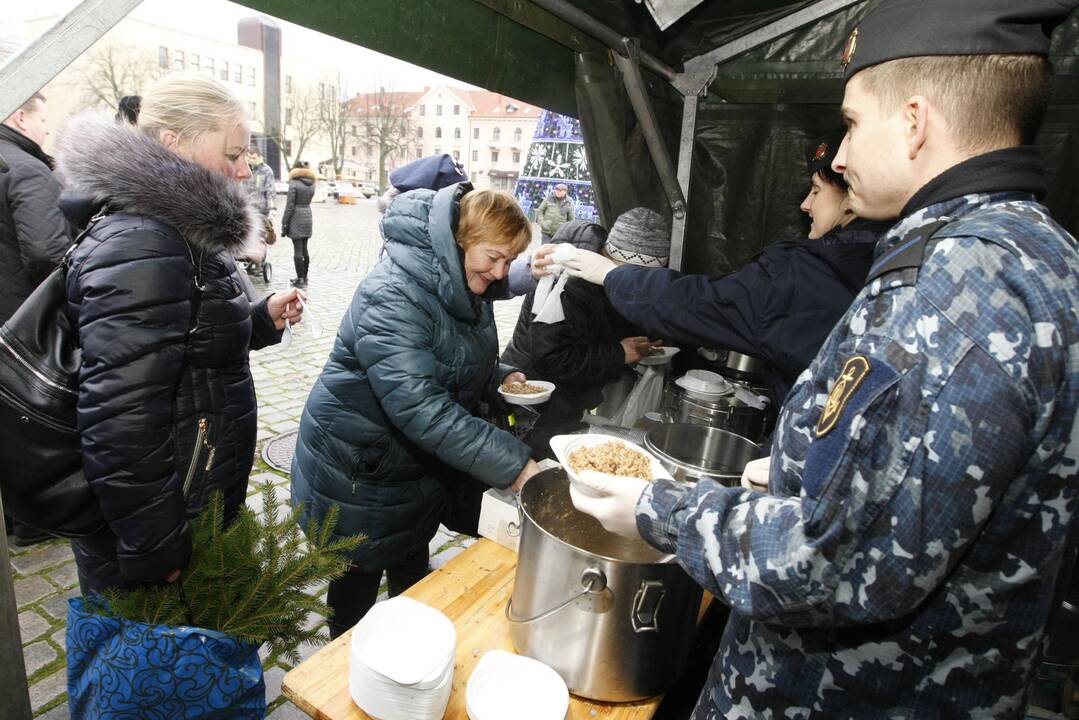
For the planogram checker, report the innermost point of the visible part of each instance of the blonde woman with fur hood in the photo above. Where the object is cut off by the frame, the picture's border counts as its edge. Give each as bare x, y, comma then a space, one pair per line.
166, 406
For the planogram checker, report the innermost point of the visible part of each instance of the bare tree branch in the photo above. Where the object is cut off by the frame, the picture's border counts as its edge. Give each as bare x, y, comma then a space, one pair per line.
386, 123
302, 119
111, 72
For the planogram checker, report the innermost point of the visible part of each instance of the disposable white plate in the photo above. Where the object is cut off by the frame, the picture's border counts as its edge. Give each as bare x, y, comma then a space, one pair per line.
505, 685
665, 357
563, 445
534, 399
404, 640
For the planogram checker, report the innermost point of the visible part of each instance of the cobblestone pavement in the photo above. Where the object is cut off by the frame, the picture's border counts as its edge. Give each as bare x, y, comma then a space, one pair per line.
344, 249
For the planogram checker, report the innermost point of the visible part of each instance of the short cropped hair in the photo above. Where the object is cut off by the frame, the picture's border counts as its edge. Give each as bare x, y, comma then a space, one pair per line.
988, 101
494, 216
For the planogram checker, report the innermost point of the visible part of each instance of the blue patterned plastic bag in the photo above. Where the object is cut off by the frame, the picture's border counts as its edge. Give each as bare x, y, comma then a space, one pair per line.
120, 669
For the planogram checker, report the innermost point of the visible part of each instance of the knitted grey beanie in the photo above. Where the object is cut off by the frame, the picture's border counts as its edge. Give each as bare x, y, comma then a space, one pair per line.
641, 237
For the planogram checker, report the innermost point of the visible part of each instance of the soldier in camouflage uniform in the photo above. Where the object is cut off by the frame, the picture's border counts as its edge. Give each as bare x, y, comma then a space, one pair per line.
923, 484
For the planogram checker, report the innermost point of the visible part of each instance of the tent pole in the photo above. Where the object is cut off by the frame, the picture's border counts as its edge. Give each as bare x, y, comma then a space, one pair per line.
685, 163
14, 695
653, 137
700, 71
590, 26
43, 59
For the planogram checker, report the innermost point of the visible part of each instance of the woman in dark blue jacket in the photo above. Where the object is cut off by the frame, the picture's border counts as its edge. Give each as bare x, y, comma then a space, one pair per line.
779, 307
166, 406
388, 432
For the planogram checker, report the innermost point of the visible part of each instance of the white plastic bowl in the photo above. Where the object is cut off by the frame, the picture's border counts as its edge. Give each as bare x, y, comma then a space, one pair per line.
504, 685
662, 359
534, 399
563, 445
704, 385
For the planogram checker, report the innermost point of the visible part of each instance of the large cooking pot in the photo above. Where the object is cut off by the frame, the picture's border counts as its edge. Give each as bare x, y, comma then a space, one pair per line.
612, 615
742, 367
690, 452
726, 412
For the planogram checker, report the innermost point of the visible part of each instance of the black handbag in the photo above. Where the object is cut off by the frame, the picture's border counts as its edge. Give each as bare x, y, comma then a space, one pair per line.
42, 483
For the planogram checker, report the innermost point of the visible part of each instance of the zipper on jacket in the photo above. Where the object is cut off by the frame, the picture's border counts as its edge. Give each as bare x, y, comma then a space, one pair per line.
37, 373
201, 440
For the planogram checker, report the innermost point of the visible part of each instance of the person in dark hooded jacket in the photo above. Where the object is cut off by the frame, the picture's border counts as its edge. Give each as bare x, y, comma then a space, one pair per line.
779, 307
296, 221
389, 432
166, 406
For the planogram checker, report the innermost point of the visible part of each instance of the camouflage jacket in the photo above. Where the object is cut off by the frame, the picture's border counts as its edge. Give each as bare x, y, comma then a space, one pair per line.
923, 483
260, 186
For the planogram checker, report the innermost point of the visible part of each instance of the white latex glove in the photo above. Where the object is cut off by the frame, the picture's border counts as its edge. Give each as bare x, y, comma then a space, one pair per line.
755, 474
589, 266
611, 499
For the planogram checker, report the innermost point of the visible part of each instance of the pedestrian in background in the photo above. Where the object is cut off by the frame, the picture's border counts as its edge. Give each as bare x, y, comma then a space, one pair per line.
554, 211
260, 183
296, 221
389, 432
166, 406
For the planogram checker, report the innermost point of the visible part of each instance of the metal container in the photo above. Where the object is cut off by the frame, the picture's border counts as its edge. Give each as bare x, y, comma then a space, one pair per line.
690, 452
612, 615
742, 367
726, 412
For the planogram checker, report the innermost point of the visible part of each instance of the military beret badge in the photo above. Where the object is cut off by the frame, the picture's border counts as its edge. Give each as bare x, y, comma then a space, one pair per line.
854, 372
849, 49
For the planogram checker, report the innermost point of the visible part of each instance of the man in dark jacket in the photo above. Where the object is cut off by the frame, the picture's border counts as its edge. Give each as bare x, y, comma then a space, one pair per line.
34, 234
779, 307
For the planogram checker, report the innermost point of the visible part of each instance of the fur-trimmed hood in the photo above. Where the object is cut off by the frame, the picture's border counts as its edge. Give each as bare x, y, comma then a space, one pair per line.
302, 174
130, 172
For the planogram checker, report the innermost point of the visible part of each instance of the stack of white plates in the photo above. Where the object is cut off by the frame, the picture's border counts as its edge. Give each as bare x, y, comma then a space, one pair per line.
704, 385
505, 685
401, 661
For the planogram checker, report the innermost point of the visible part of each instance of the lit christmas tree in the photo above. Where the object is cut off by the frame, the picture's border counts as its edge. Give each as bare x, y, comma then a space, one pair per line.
556, 155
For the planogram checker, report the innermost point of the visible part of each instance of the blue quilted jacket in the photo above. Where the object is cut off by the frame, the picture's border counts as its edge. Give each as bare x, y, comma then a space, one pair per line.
388, 427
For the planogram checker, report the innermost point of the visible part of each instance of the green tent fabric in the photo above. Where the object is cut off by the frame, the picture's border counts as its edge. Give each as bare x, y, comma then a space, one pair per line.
748, 175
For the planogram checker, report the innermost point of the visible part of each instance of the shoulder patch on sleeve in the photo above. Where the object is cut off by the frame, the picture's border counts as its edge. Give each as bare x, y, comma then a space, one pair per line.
854, 372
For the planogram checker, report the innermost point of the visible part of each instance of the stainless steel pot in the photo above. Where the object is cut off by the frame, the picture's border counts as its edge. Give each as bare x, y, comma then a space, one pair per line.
726, 412
742, 367
690, 452
613, 616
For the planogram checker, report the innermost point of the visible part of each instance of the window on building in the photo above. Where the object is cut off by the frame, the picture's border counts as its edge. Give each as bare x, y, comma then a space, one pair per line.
251, 75
457, 155
288, 116
419, 132
456, 109
224, 70
517, 134
254, 109
178, 60
438, 151
457, 133
370, 151
423, 109
494, 156
354, 130
475, 133
473, 178
475, 156
419, 153
516, 157
438, 132
288, 147
162, 57
193, 61
496, 133
208, 66
354, 152
288, 84
237, 73
438, 109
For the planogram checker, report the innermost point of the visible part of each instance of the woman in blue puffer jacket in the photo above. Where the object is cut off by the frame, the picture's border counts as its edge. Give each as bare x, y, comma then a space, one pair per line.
388, 432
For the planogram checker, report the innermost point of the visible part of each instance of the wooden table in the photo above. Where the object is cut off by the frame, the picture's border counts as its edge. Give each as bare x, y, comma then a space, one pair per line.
472, 590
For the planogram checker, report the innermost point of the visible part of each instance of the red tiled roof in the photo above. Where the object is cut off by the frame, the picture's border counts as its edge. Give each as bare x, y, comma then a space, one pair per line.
358, 103
489, 104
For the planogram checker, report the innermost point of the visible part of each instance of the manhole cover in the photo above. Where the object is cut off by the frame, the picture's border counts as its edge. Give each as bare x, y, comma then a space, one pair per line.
279, 450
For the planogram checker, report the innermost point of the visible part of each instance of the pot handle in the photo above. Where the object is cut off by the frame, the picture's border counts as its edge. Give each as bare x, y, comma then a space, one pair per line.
513, 529
592, 580
645, 615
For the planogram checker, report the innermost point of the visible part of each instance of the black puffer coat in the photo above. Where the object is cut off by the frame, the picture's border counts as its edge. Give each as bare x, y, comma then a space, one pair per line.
33, 232
166, 403
296, 222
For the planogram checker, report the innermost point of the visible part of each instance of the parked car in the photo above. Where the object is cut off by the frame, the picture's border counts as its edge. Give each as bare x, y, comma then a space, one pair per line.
346, 187
280, 186
368, 190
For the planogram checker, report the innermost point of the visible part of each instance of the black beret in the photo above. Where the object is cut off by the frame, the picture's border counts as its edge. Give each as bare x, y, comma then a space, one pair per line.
821, 151
915, 28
